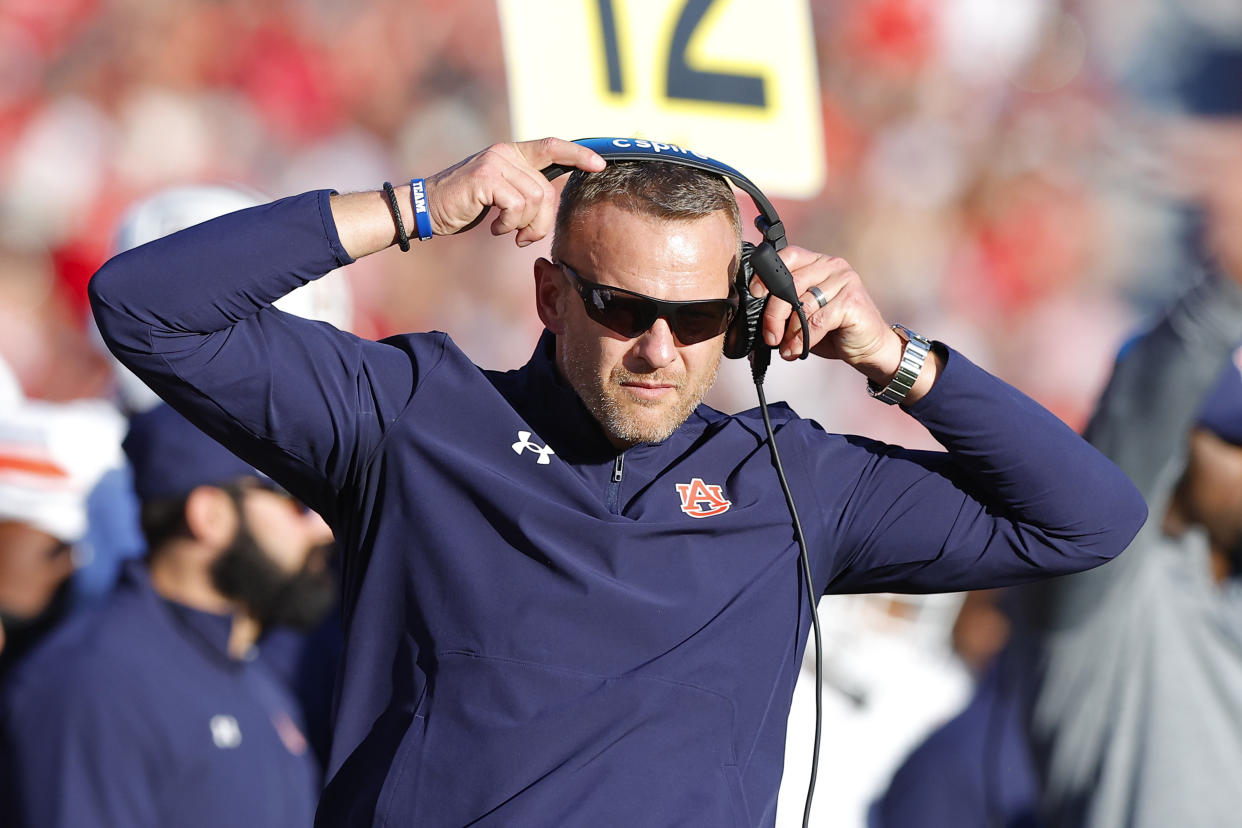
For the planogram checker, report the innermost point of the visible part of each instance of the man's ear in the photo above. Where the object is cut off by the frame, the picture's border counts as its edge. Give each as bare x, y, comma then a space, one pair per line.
550, 295
211, 515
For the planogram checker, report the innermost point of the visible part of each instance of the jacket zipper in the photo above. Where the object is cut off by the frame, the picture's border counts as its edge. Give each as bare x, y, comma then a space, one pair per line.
614, 487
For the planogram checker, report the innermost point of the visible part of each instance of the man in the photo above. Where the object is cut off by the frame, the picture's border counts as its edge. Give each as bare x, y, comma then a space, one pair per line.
153, 710
571, 591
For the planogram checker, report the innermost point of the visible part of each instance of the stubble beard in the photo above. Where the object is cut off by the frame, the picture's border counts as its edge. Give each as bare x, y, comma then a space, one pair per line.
623, 416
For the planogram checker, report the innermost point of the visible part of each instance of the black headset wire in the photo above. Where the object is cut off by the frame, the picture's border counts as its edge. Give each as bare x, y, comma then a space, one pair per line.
758, 367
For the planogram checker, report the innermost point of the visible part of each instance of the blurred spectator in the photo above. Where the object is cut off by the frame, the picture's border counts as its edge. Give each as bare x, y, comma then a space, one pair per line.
1137, 717
977, 768
890, 677
51, 455
1122, 693
153, 709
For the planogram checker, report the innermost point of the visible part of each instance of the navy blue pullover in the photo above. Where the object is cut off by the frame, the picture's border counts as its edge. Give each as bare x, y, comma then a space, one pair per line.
543, 631
133, 714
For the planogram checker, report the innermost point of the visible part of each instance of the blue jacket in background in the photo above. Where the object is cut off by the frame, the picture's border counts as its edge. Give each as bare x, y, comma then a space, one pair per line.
133, 714
541, 630
976, 769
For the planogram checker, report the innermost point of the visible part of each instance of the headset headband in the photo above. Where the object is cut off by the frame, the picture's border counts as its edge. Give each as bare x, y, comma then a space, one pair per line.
639, 149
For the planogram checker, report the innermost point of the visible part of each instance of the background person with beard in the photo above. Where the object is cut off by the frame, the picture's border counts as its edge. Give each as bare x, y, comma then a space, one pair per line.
154, 709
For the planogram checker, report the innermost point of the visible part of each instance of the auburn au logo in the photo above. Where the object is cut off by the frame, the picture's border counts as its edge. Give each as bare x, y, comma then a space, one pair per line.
700, 500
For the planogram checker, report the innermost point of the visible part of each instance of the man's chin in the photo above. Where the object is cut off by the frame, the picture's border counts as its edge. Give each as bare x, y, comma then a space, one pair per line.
645, 421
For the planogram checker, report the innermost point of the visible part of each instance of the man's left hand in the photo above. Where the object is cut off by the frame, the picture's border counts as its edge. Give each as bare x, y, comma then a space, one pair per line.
848, 326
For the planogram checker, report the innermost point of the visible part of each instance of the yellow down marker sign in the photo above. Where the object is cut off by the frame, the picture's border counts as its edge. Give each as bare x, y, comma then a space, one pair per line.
733, 79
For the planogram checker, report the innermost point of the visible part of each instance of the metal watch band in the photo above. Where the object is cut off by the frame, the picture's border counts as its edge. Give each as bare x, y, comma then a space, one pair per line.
912, 359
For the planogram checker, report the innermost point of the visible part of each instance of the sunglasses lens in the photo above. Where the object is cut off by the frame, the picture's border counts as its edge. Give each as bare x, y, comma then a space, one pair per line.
626, 315
700, 321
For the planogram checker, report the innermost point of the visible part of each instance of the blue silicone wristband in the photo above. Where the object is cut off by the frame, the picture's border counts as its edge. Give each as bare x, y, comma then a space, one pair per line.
422, 219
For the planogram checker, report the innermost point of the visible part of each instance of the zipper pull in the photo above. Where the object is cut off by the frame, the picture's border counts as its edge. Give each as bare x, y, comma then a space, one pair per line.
618, 468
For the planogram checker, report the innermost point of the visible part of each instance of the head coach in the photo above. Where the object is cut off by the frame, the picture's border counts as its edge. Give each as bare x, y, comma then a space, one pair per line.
571, 591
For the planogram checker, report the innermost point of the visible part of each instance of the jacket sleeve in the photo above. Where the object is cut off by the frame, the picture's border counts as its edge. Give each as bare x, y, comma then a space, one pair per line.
1018, 496
191, 315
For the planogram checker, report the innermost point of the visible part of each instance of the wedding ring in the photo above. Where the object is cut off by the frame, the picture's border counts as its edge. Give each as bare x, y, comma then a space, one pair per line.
819, 295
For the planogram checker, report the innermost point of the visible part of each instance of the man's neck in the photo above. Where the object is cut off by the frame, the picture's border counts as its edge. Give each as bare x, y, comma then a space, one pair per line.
246, 631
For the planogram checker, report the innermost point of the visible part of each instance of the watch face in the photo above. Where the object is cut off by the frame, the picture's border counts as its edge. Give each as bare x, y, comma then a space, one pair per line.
906, 334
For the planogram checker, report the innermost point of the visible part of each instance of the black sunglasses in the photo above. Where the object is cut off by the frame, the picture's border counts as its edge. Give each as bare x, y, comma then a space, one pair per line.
632, 314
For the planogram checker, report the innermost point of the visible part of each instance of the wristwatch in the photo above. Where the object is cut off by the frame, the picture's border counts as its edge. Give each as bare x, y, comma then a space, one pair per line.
912, 359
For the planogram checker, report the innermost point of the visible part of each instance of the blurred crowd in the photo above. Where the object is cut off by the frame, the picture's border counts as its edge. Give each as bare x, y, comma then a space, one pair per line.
986, 160
1002, 174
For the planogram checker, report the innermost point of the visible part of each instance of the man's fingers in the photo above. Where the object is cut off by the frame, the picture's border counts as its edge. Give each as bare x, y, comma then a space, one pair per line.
824, 313
519, 205
509, 177
842, 320
537, 222
808, 270
511, 204
821, 322
548, 151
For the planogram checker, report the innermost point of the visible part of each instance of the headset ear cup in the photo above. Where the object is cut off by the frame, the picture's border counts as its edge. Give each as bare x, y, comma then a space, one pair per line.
743, 334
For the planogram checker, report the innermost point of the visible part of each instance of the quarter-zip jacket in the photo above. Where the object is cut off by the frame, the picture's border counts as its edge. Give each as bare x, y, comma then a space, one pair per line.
539, 632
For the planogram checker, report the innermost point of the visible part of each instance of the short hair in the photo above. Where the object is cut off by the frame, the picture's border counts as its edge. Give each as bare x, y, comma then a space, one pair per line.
163, 520
661, 189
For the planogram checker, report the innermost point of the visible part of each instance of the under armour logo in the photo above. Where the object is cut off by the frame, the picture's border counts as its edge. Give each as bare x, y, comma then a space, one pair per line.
524, 443
225, 732
700, 500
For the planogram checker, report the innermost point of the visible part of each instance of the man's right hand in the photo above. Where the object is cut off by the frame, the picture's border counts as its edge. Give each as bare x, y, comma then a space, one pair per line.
506, 176
509, 177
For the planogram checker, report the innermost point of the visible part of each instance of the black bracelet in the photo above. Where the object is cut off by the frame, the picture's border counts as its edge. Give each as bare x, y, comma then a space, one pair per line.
403, 239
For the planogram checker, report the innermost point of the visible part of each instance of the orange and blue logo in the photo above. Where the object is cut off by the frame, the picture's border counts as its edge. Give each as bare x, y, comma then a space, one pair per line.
700, 500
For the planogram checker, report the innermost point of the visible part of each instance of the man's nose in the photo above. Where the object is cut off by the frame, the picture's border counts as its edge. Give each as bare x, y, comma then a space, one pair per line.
656, 347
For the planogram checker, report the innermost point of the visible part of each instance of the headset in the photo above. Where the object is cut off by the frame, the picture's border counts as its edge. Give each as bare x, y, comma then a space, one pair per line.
744, 335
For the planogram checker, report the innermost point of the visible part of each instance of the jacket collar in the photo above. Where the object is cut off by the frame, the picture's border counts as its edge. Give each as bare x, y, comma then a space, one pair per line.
208, 631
